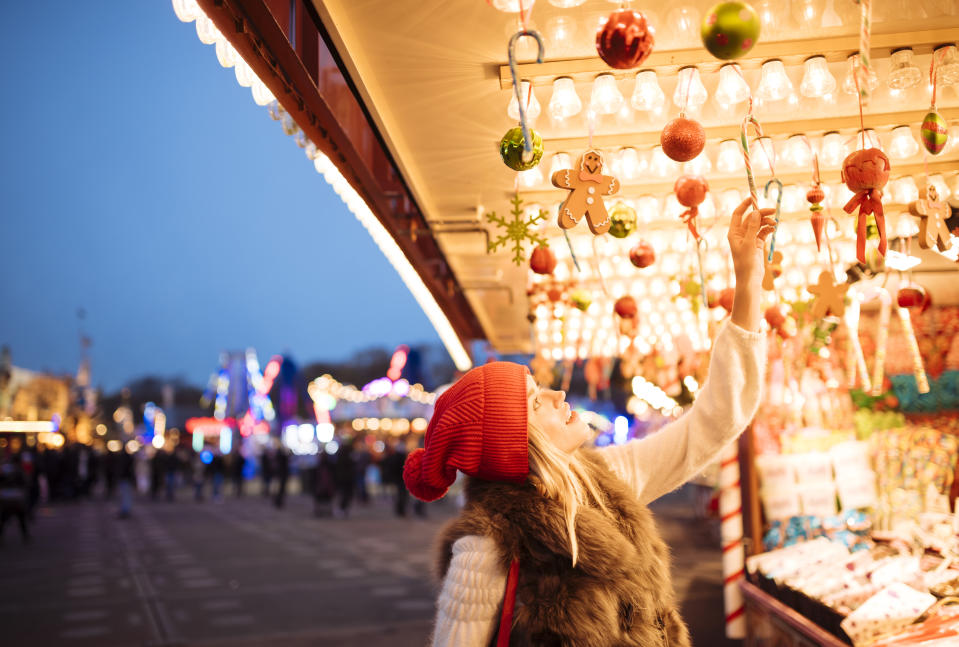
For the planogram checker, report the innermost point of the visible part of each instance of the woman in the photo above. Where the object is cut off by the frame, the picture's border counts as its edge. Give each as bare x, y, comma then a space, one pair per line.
560, 533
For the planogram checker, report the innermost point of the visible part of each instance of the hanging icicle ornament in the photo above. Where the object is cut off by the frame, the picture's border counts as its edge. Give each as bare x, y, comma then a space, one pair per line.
626, 39
934, 131
815, 196
586, 187
730, 29
521, 147
691, 192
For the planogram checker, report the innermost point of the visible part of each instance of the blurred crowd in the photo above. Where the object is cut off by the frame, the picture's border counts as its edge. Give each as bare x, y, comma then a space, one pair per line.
336, 480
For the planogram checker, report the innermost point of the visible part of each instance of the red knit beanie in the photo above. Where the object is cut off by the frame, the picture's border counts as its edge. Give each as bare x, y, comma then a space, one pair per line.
478, 427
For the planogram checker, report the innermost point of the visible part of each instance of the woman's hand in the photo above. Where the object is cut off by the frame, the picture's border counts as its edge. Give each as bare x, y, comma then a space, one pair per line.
747, 244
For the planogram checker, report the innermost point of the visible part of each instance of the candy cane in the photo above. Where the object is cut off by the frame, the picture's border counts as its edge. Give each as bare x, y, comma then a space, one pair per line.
865, 64
855, 347
882, 337
922, 381
779, 201
748, 120
511, 57
731, 532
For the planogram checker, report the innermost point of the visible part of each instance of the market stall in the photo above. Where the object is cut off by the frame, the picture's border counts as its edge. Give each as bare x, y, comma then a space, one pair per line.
556, 177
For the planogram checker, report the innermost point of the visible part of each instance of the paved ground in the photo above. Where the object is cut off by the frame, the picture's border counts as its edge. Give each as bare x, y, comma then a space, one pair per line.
243, 573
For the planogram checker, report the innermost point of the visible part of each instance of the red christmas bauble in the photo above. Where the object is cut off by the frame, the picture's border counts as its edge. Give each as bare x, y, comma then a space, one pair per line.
683, 139
691, 190
913, 298
775, 317
625, 40
554, 294
815, 195
626, 307
865, 169
543, 260
642, 254
726, 296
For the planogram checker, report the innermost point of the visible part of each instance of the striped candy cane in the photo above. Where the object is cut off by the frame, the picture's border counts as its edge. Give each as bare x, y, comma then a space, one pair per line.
865, 63
922, 381
731, 532
748, 120
882, 337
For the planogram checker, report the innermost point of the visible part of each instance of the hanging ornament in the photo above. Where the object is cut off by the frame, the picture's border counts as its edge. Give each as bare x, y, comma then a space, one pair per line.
543, 260
518, 230
512, 148
914, 296
626, 307
814, 197
625, 40
730, 29
780, 323
772, 270
691, 192
622, 220
522, 150
932, 213
554, 293
726, 297
934, 132
581, 300
586, 187
830, 297
642, 254
865, 172
683, 139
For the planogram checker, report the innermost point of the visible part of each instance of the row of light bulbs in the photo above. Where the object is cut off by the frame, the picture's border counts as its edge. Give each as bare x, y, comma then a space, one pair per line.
774, 85
795, 153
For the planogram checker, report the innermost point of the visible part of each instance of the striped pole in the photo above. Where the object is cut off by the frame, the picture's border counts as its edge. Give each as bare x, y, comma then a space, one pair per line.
865, 63
922, 381
731, 533
882, 337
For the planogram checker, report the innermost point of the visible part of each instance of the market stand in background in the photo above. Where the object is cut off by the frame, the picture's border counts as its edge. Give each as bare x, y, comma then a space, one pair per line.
650, 125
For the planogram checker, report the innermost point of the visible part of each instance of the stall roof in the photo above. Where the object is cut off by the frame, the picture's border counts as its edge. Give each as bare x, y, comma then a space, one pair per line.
433, 79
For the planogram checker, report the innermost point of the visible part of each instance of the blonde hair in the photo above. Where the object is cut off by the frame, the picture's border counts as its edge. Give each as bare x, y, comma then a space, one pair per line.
564, 478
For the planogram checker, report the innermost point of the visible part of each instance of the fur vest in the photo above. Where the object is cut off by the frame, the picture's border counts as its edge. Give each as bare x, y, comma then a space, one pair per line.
619, 593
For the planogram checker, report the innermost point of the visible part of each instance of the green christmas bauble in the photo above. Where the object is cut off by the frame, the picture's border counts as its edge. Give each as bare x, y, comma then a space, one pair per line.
581, 300
730, 29
512, 146
934, 132
622, 220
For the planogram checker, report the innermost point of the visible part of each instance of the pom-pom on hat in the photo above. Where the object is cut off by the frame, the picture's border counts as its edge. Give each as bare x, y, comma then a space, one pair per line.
479, 428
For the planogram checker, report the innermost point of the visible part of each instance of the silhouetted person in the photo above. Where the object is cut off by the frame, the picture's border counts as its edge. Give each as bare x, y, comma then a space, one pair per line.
157, 470
13, 497
267, 468
323, 487
237, 463
282, 476
344, 477
362, 458
218, 469
126, 480
391, 469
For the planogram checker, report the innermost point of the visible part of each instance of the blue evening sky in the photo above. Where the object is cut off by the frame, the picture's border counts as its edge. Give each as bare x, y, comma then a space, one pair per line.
140, 182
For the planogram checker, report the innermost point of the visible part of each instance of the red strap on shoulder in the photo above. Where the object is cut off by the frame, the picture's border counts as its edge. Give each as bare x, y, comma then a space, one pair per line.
509, 602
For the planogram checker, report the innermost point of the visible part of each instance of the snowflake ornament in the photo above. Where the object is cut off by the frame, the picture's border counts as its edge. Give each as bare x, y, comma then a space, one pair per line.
518, 230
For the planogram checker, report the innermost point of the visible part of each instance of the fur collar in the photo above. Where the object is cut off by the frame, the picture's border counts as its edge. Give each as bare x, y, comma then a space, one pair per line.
618, 594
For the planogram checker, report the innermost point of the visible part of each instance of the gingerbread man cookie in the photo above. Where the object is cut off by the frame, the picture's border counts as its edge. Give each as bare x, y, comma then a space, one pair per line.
830, 297
773, 269
586, 187
932, 213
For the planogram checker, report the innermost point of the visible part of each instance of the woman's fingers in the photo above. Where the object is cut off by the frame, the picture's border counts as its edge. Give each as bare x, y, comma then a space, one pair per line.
737, 217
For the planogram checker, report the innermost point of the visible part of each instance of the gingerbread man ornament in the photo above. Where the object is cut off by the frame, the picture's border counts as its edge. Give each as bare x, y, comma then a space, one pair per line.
772, 270
932, 213
829, 296
587, 186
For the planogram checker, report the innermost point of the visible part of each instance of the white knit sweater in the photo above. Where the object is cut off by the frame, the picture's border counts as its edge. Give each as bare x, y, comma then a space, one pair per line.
469, 603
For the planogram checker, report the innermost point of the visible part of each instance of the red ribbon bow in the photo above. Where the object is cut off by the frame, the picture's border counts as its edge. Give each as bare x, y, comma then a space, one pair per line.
689, 217
869, 202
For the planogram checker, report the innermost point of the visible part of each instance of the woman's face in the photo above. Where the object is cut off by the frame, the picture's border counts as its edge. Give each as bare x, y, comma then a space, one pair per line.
549, 411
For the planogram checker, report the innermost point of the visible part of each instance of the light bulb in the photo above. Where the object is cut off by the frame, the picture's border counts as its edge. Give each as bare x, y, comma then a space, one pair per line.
767, 10
729, 200
833, 152
902, 145
513, 6
225, 53
565, 102
647, 208
560, 34
531, 103
904, 190
606, 98
187, 10
630, 164
660, 165
730, 157
864, 139
797, 153
531, 178
566, 4
849, 82
559, 162
689, 83
807, 12
902, 73
774, 84
947, 64
206, 31
732, 88
794, 199
647, 95
685, 23
762, 154
817, 81
699, 165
